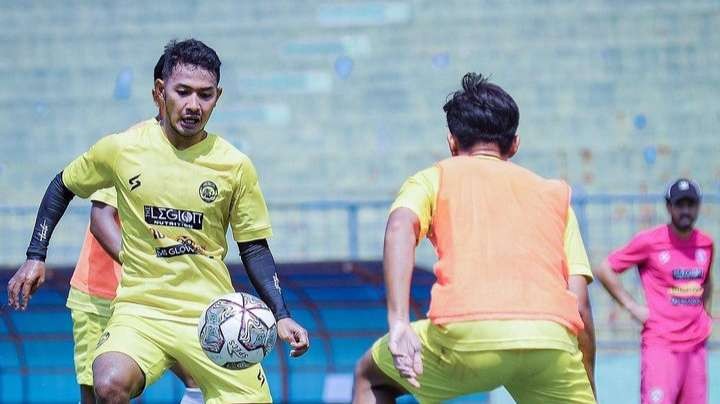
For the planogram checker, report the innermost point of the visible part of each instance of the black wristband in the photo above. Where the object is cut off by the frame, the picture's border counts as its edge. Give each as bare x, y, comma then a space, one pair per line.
261, 270
54, 203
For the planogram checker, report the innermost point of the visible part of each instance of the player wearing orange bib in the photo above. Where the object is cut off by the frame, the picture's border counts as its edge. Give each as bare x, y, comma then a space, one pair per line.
510, 304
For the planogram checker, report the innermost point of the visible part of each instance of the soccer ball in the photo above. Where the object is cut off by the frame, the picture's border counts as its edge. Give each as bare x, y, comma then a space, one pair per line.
237, 330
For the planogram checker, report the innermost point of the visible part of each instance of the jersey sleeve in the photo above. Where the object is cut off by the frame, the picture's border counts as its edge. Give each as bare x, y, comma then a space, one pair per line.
575, 253
107, 196
633, 253
93, 170
418, 194
249, 218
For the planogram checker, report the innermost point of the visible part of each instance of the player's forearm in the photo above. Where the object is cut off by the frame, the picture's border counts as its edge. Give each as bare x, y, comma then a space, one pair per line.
577, 284
54, 203
262, 271
398, 263
707, 296
611, 281
104, 227
586, 343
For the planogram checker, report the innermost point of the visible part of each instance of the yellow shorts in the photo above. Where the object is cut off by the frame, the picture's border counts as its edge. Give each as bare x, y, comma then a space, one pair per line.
155, 345
87, 329
529, 375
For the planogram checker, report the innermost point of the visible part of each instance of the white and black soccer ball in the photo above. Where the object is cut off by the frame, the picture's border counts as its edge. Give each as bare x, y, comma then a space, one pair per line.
237, 330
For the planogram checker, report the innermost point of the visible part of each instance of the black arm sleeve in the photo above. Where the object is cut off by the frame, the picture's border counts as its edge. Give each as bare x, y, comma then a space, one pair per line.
56, 200
261, 269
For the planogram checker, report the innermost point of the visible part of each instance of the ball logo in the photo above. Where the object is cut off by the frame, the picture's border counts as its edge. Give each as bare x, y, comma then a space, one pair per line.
208, 191
664, 257
700, 256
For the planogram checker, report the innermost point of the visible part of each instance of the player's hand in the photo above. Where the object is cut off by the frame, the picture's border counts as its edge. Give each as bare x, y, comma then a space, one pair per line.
405, 346
25, 282
292, 333
640, 313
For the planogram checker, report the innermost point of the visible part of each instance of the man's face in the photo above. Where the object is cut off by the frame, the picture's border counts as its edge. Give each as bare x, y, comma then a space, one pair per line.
190, 94
684, 213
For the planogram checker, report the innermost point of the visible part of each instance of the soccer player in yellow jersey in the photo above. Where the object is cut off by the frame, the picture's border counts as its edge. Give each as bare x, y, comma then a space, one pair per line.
178, 188
94, 283
510, 304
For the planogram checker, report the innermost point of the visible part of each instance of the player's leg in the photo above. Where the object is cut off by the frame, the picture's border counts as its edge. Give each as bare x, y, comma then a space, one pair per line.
218, 385
128, 358
87, 329
192, 394
443, 377
548, 376
658, 384
695, 386
117, 378
371, 385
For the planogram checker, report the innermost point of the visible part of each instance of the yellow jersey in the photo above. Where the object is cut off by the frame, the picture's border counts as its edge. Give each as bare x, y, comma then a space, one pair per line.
175, 207
419, 194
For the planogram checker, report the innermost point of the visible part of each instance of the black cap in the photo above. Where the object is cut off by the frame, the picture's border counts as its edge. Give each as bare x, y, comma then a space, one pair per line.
683, 188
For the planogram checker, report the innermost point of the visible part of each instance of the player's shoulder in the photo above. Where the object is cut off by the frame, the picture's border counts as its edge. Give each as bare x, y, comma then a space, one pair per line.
653, 234
137, 132
703, 238
225, 152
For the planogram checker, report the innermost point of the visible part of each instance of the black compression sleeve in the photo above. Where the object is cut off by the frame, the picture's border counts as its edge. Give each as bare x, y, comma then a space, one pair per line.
56, 200
260, 267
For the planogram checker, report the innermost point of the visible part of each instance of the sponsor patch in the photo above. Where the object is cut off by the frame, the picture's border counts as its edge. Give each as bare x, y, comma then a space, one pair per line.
171, 217
680, 274
175, 250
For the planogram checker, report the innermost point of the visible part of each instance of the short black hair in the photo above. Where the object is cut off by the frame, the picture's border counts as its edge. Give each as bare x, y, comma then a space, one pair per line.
157, 73
482, 112
190, 52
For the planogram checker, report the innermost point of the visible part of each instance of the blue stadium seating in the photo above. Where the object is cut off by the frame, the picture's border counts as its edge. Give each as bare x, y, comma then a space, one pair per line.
343, 322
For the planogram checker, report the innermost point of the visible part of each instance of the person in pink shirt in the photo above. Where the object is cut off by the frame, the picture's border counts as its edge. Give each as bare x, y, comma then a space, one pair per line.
674, 261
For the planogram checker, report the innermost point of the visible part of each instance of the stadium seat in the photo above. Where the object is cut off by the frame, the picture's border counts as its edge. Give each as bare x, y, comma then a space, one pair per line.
35, 321
52, 387
168, 389
307, 386
49, 353
9, 355
11, 386
344, 293
355, 318
347, 350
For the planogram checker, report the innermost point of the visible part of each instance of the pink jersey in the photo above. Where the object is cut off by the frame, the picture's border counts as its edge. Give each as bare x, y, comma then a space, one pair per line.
673, 273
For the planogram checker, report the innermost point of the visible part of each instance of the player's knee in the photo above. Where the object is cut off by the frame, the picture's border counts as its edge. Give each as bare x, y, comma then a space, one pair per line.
112, 382
363, 368
111, 390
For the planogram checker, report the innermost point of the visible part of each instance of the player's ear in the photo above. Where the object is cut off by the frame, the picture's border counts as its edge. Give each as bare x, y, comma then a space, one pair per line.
452, 144
514, 147
159, 90
219, 93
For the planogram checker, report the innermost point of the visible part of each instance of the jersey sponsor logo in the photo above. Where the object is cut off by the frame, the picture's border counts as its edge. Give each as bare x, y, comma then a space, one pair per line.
261, 377
701, 256
690, 289
208, 191
686, 301
664, 257
134, 182
175, 250
687, 273
172, 217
